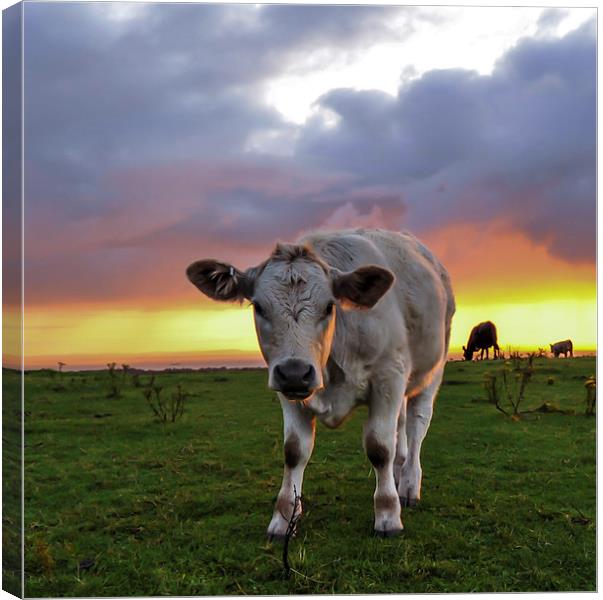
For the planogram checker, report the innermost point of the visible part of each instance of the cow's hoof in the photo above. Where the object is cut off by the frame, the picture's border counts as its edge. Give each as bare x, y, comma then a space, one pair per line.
406, 502
388, 533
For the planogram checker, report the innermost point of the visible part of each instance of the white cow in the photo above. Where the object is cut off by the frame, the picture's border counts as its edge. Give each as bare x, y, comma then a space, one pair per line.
347, 318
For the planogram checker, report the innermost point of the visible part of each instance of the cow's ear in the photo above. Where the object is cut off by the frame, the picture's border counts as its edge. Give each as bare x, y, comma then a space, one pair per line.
464, 349
220, 281
362, 288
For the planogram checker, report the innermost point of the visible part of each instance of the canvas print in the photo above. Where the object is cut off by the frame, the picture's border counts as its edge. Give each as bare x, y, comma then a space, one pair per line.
298, 299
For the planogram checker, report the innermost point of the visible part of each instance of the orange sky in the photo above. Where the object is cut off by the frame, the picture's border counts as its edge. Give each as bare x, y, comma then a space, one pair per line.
497, 274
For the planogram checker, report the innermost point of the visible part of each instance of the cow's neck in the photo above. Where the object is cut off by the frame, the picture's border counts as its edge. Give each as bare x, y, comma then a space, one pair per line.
345, 380
335, 374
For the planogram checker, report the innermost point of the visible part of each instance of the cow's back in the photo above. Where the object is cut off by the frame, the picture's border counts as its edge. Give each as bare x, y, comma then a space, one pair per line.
421, 300
564, 346
483, 335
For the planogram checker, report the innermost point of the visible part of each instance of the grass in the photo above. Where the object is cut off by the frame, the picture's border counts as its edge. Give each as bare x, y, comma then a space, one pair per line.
117, 504
11, 480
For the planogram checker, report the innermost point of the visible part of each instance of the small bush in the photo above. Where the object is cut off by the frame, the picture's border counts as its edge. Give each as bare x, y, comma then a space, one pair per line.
591, 395
506, 388
114, 387
166, 411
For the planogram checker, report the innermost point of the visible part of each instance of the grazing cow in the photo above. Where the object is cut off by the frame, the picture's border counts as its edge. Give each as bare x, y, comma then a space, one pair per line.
347, 318
566, 347
482, 336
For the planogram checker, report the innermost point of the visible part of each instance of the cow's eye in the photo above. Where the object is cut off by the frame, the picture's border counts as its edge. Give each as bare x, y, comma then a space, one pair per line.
328, 310
259, 311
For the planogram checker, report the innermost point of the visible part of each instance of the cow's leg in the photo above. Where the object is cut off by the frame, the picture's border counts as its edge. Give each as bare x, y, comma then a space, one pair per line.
379, 438
418, 418
401, 443
299, 424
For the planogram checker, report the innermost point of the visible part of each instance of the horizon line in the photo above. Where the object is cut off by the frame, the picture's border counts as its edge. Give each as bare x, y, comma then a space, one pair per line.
188, 360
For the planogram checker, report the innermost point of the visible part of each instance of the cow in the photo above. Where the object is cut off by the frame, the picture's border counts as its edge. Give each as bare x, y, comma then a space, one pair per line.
566, 347
482, 337
347, 318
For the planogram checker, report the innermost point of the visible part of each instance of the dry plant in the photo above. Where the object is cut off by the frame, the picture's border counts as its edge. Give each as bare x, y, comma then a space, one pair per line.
506, 389
291, 527
591, 395
515, 360
114, 389
58, 387
166, 411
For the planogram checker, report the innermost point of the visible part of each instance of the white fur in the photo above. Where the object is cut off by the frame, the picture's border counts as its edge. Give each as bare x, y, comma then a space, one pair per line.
392, 358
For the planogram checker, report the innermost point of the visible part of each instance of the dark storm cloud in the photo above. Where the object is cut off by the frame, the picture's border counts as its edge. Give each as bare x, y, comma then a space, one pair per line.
517, 145
173, 81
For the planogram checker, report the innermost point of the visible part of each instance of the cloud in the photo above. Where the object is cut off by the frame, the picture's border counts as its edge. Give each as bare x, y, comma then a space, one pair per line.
108, 86
550, 18
159, 219
518, 144
142, 152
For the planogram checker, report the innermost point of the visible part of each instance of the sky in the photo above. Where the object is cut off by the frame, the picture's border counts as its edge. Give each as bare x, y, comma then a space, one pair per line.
158, 134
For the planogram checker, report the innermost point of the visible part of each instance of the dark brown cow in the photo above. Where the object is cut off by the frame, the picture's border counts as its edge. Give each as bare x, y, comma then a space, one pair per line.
482, 337
565, 347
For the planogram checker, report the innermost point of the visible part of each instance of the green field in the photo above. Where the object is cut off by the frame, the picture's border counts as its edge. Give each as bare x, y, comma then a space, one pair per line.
117, 504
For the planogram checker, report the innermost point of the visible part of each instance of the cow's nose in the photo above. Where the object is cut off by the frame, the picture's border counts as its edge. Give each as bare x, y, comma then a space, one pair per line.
295, 378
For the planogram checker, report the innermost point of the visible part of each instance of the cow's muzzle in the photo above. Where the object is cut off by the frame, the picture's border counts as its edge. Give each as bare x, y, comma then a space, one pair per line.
295, 378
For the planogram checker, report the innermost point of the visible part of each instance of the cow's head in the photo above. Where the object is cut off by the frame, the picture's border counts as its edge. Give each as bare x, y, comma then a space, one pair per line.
467, 354
294, 294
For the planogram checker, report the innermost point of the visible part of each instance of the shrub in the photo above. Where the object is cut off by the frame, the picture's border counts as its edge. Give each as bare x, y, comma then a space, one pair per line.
58, 387
166, 411
114, 388
591, 395
506, 389
125, 369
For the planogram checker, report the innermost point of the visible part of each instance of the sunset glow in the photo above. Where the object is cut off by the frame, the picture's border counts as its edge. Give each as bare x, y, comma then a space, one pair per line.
190, 336
534, 300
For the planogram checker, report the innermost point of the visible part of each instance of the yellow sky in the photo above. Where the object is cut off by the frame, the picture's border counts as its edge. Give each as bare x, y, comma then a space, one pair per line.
225, 333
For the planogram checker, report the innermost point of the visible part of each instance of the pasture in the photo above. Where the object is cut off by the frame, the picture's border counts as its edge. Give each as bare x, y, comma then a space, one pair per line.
117, 504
